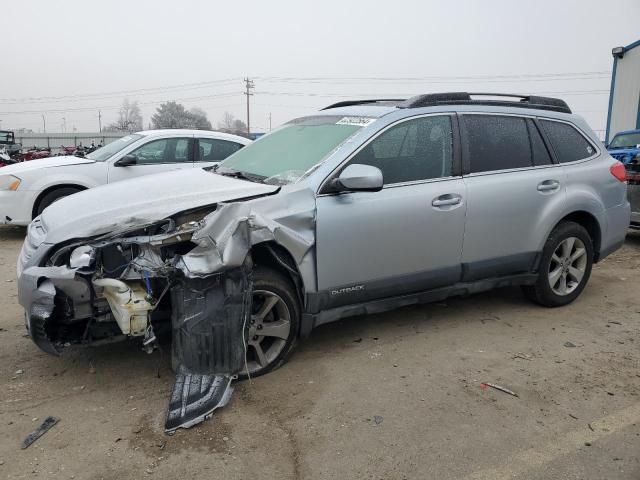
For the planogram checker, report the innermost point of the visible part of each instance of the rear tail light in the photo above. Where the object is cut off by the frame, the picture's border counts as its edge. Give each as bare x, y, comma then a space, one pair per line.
618, 171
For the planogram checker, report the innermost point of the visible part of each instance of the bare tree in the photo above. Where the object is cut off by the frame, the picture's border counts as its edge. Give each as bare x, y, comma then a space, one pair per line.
129, 118
230, 124
226, 124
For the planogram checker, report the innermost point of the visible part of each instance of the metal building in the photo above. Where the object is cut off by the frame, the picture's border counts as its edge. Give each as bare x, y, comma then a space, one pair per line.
624, 97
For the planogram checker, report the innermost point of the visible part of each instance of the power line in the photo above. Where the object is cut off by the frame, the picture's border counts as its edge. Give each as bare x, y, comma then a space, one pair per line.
439, 79
121, 92
111, 107
327, 80
406, 95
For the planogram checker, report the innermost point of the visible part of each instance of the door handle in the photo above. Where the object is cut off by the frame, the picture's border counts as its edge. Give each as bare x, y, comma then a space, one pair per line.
548, 185
446, 200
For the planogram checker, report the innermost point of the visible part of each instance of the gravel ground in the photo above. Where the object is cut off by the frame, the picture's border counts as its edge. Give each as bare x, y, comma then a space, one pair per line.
390, 396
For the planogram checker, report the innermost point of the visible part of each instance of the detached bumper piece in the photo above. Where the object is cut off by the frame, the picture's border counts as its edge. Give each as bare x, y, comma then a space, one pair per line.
208, 351
41, 309
194, 399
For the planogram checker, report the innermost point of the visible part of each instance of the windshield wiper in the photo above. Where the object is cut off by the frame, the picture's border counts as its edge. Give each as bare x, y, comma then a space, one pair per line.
227, 172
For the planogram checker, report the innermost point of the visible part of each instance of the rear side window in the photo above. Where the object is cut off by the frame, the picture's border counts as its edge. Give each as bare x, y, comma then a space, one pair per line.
497, 143
538, 148
213, 149
568, 144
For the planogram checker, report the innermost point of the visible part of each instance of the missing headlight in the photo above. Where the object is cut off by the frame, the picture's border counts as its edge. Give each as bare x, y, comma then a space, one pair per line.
82, 256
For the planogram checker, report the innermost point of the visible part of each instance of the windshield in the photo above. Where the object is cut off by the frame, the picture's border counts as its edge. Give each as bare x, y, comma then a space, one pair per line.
627, 140
285, 155
106, 152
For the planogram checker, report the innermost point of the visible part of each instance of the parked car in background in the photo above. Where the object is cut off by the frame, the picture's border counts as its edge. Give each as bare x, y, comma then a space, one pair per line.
26, 189
8, 141
625, 146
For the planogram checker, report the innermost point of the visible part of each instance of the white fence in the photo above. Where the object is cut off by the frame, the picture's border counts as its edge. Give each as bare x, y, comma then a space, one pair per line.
56, 140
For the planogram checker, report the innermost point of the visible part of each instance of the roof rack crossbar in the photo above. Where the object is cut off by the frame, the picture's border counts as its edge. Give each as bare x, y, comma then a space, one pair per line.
350, 103
464, 98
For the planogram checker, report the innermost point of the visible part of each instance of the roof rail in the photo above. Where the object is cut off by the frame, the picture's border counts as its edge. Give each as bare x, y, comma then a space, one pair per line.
464, 98
349, 103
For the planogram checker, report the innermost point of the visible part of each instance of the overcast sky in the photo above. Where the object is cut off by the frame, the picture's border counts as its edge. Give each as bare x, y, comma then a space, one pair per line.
302, 54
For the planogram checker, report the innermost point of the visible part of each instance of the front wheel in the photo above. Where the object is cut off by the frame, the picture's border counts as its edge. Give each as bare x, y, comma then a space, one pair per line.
565, 266
272, 332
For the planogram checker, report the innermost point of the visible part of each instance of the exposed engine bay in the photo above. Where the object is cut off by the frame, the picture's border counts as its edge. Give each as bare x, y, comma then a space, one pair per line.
171, 276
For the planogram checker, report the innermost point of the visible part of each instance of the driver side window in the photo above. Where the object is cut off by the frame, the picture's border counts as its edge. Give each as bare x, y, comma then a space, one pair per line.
413, 150
166, 150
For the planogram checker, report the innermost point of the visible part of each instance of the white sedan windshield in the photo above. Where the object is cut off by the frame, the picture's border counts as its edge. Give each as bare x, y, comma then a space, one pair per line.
109, 150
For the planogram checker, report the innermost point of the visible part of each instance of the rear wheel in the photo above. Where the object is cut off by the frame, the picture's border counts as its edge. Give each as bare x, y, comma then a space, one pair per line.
53, 196
565, 266
275, 321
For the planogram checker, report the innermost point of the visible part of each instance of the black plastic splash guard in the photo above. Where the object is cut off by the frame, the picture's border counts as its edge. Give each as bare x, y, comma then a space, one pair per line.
208, 319
194, 398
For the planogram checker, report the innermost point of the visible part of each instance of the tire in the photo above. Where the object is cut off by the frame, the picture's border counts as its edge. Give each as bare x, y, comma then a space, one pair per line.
271, 286
53, 196
559, 281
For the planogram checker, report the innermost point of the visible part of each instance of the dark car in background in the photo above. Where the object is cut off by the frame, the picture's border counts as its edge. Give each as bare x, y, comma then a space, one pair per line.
625, 147
8, 141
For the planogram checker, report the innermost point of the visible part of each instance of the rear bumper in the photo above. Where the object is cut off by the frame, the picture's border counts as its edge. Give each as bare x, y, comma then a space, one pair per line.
617, 219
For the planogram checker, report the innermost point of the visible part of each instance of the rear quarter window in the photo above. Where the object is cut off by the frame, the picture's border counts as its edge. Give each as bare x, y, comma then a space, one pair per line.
568, 143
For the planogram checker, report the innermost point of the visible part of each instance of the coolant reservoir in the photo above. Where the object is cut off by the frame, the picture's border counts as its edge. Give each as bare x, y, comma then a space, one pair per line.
128, 303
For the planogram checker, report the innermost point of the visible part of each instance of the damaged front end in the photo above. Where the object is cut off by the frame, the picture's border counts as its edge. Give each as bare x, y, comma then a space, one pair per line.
189, 275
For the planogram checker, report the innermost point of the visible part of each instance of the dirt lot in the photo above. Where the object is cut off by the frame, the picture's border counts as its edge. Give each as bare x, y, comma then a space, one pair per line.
391, 396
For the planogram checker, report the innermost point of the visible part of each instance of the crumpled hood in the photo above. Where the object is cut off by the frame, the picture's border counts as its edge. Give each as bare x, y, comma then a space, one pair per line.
63, 161
140, 201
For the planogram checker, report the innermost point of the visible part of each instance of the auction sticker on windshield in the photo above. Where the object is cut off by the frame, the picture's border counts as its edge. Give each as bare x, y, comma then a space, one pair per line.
356, 121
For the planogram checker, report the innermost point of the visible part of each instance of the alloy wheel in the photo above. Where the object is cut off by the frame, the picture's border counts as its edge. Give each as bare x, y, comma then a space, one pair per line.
568, 266
268, 330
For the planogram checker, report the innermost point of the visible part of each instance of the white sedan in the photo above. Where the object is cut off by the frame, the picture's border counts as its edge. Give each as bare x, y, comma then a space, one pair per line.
27, 188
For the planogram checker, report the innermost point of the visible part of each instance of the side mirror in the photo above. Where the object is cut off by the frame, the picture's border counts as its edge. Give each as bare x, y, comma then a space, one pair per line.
126, 161
358, 178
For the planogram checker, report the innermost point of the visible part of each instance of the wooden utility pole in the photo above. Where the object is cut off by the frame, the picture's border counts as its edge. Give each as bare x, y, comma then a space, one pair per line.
99, 121
248, 85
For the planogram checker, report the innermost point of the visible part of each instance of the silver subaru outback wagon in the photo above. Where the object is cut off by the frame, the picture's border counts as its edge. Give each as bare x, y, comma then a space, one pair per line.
361, 207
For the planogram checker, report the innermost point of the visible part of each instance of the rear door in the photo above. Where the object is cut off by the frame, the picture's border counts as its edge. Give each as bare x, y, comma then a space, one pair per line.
511, 181
156, 156
406, 237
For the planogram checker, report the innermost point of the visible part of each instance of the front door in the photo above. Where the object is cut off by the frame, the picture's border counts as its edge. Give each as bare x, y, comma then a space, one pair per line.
156, 156
404, 238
